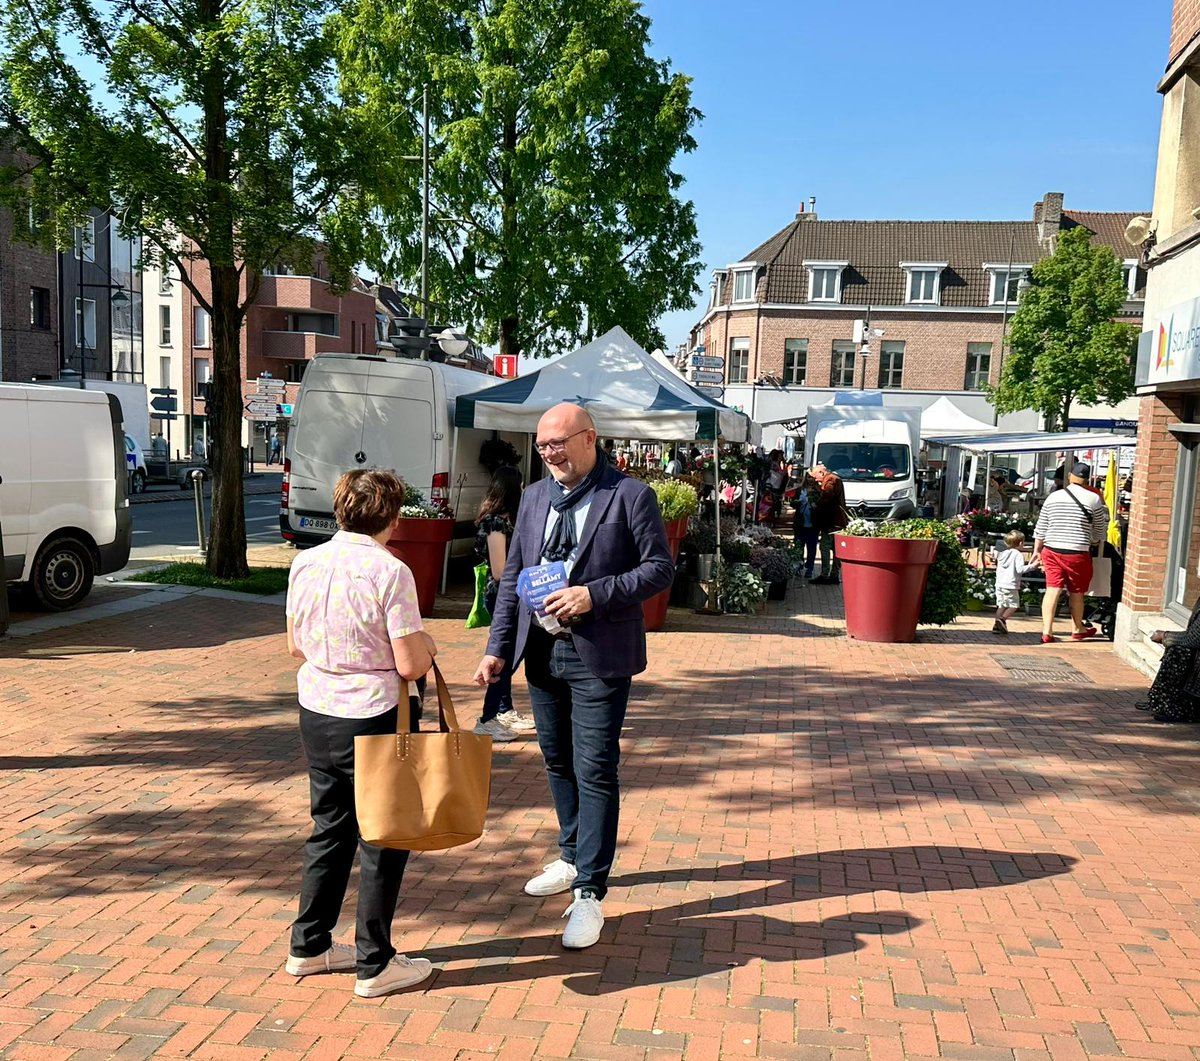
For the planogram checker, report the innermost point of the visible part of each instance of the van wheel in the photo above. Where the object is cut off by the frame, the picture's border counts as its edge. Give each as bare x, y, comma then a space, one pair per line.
139, 481
62, 574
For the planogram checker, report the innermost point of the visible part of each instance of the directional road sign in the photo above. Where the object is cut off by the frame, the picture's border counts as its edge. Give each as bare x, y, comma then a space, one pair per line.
710, 388
168, 391
164, 404
704, 361
163, 416
266, 383
262, 408
707, 376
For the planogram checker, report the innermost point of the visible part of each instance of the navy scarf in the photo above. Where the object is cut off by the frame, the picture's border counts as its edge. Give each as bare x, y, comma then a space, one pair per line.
562, 539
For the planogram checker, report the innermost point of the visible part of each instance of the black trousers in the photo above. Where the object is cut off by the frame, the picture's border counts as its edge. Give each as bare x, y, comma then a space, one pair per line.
329, 852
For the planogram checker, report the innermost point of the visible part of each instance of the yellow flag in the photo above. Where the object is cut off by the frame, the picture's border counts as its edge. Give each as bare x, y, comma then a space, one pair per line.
1111, 496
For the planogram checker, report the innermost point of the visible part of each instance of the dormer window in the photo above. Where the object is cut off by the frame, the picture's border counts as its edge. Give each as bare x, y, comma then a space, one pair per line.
743, 281
825, 281
1005, 282
924, 282
1129, 276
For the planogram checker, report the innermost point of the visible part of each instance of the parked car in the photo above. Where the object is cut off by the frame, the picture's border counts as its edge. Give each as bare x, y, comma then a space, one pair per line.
135, 466
64, 510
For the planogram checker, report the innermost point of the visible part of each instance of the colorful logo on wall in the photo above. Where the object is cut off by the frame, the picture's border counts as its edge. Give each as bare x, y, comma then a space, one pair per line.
1164, 345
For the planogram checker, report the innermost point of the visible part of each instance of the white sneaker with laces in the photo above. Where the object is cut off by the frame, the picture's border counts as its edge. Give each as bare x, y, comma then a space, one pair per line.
338, 959
517, 722
586, 919
556, 877
399, 973
495, 729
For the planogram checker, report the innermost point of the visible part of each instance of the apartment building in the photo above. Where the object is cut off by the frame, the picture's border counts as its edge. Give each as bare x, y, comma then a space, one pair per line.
936, 297
1162, 576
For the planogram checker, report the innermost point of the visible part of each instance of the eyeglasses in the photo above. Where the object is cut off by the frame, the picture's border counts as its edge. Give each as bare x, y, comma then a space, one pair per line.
557, 445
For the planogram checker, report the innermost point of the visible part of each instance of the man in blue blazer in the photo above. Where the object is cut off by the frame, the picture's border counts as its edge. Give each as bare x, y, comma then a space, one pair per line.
608, 532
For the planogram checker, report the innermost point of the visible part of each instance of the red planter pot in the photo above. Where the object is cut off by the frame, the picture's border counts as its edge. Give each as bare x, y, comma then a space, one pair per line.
421, 544
883, 584
655, 609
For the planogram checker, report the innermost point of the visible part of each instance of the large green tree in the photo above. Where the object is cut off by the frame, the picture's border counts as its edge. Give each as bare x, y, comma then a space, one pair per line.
214, 128
1064, 345
557, 212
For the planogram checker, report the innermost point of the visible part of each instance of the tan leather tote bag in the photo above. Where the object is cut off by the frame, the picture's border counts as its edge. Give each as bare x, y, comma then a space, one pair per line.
423, 791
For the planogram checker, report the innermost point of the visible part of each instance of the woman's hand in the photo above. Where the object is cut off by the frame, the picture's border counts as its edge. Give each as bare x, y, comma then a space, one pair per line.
1158, 637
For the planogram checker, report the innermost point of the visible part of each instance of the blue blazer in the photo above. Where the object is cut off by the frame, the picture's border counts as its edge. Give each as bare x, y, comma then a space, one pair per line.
623, 559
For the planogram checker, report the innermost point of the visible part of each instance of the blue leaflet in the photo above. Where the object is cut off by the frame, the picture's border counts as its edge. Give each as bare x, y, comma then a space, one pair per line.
535, 584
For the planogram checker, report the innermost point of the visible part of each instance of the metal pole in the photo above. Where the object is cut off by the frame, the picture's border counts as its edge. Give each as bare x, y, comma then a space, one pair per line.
425, 202
1012, 239
453, 469
198, 490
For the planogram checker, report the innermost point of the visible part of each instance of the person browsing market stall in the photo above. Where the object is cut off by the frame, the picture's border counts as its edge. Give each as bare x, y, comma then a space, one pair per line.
580, 657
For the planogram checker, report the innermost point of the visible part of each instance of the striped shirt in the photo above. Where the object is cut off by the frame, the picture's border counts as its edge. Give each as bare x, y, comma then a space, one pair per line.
1064, 526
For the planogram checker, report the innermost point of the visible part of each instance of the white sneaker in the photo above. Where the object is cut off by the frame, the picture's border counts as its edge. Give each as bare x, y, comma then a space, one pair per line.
557, 877
399, 973
586, 921
338, 959
518, 723
495, 729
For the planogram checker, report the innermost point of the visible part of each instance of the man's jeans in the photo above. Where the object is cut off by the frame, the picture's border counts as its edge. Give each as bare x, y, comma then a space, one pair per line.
829, 569
579, 719
329, 852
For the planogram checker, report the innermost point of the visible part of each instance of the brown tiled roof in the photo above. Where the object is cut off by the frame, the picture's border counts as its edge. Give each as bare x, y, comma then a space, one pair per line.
875, 249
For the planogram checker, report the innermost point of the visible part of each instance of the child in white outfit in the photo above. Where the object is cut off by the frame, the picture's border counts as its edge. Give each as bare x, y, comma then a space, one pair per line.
1010, 569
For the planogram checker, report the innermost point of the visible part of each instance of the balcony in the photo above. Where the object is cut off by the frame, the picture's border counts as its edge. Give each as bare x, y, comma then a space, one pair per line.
298, 293
297, 346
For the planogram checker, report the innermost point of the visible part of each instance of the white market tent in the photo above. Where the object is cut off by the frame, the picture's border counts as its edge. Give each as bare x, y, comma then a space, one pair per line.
943, 417
628, 393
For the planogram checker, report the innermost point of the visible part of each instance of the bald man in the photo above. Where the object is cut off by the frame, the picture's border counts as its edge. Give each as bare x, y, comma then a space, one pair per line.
608, 532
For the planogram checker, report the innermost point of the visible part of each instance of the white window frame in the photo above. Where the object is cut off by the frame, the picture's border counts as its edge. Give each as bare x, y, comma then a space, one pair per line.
801, 347
911, 269
201, 336
197, 382
164, 325
1130, 268
164, 378
848, 348
995, 269
974, 373
719, 296
165, 282
813, 268
744, 271
85, 240
83, 308
739, 344
898, 346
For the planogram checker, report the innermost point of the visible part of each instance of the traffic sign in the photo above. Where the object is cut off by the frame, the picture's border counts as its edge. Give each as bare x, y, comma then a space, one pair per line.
710, 388
706, 376
506, 365
262, 408
164, 404
285, 409
703, 361
263, 418
270, 386
163, 416
163, 390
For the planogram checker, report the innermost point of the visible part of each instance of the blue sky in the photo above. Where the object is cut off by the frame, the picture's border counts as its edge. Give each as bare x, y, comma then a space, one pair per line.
886, 109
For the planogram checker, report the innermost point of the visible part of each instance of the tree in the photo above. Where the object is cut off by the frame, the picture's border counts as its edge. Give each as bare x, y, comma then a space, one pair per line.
554, 138
1064, 345
213, 129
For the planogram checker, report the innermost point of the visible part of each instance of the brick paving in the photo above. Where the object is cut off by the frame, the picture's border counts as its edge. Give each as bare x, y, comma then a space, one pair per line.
829, 850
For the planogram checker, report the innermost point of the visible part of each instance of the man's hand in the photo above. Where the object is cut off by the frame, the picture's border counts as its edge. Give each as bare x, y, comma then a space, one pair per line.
569, 604
489, 670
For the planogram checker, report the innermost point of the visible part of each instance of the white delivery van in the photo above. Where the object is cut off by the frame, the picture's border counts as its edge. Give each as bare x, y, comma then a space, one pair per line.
873, 449
364, 411
64, 513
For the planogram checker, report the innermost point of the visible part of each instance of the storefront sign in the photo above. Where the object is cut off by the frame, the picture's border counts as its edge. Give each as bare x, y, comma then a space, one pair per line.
1174, 346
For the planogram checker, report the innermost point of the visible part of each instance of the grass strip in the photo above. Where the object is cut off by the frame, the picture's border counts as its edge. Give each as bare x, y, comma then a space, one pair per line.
262, 581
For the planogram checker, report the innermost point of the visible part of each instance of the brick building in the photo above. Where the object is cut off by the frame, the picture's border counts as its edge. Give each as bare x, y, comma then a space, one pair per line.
29, 340
1162, 578
940, 292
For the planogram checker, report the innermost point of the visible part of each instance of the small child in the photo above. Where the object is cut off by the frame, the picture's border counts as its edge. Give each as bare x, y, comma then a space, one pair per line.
1010, 569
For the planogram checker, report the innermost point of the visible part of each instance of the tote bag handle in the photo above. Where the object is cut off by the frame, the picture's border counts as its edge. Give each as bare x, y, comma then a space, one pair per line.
447, 720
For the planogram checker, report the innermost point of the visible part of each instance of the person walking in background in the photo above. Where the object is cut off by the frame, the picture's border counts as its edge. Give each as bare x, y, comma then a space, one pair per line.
276, 449
494, 531
353, 618
1072, 521
610, 451
674, 466
1010, 569
607, 531
829, 516
804, 532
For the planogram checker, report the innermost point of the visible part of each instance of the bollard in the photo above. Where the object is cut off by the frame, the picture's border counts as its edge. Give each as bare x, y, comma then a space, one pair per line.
198, 489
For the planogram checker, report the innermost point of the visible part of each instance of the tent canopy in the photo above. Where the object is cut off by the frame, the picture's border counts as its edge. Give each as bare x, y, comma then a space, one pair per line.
628, 393
944, 418
1035, 442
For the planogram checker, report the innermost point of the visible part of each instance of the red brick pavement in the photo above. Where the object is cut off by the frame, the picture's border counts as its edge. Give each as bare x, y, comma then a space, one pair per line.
829, 850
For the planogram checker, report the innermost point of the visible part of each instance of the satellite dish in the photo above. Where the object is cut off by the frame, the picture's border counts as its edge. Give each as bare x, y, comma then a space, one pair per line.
1138, 230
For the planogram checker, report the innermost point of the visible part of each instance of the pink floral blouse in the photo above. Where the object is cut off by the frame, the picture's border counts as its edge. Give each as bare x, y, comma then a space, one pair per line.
348, 600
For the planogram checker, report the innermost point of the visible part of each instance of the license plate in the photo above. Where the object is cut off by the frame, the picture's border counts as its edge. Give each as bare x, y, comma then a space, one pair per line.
312, 523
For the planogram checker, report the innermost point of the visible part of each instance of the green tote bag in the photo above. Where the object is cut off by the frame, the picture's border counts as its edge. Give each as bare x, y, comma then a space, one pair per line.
480, 616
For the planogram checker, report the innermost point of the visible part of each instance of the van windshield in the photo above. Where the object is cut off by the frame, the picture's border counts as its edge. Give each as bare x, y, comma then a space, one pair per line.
864, 461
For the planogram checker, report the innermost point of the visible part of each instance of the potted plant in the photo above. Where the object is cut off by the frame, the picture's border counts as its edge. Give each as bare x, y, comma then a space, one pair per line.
741, 590
888, 578
774, 567
678, 502
419, 538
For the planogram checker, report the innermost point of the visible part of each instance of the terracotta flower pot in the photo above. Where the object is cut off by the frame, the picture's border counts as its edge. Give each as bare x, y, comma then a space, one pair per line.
883, 584
655, 609
421, 544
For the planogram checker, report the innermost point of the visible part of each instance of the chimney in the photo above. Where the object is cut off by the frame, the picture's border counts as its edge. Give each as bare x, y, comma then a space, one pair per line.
1047, 214
800, 212
811, 214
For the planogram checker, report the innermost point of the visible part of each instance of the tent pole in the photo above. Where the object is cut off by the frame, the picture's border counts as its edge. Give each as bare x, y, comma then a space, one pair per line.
450, 486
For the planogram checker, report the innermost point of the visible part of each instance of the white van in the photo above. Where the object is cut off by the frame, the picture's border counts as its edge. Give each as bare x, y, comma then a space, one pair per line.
363, 411
64, 513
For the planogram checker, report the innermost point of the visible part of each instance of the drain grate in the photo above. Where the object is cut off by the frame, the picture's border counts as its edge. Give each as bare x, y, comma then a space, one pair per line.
1041, 669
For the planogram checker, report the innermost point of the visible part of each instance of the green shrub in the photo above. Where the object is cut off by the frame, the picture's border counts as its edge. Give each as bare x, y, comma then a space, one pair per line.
676, 499
741, 589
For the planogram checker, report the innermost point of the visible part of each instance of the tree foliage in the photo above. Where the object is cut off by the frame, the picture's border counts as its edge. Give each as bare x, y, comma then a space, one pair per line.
1064, 345
554, 137
215, 130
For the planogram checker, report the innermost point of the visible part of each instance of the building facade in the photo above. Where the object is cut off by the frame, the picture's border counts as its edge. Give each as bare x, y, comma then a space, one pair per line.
935, 298
1162, 574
